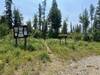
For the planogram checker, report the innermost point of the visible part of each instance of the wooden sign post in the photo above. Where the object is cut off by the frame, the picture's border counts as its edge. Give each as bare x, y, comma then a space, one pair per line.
20, 32
62, 36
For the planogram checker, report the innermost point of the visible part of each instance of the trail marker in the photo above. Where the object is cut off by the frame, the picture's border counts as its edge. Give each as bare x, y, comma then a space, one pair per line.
20, 32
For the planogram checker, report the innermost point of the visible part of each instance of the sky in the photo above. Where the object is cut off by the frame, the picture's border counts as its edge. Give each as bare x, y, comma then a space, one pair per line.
69, 8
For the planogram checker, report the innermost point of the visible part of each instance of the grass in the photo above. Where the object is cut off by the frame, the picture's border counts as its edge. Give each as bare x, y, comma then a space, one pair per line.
12, 58
74, 49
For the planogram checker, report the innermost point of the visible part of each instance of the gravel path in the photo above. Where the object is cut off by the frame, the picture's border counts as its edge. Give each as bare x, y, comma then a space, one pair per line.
86, 66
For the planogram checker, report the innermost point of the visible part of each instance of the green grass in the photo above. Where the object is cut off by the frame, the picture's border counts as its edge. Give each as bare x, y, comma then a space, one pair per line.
73, 49
12, 57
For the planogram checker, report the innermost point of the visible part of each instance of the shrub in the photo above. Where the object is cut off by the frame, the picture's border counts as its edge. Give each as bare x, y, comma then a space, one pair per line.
88, 37
3, 29
77, 36
37, 34
85, 37
97, 35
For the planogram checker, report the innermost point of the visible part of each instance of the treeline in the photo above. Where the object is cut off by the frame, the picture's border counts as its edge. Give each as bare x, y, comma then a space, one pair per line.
89, 24
51, 25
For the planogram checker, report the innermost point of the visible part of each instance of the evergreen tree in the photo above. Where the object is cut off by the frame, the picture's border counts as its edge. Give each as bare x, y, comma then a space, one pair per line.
71, 28
4, 29
8, 5
35, 22
92, 15
78, 28
43, 9
55, 19
44, 25
43, 14
97, 23
29, 26
44, 32
40, 16
64, 28
84, 20
17, 17
92, 8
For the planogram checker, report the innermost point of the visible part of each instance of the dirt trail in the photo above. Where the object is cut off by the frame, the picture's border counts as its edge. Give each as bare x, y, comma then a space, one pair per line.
53, 67
86, 66
48, 49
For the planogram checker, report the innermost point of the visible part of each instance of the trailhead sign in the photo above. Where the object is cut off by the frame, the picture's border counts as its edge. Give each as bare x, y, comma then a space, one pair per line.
20, 32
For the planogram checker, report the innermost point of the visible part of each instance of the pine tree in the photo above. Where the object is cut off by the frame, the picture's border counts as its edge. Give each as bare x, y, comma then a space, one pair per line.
44, 9
92, 9
55, 19
64, 28
97, 23
4, 29
40, 16
29, 26
44, 32
84, 20
71, 28
43, 13
8, 5
78, 28
17, 17
35, 22
44, 25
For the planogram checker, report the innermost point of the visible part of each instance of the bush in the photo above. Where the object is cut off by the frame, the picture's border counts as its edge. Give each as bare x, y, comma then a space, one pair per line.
77, 36
97, 35
37, 34
88, 37
85, 37
4, 30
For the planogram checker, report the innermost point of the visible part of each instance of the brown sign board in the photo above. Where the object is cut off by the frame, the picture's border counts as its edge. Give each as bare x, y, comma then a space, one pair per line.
20, 31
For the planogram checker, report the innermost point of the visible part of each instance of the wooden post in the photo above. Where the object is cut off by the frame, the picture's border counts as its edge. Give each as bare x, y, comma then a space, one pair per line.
25, 42
16, 42
65, 40
60, 40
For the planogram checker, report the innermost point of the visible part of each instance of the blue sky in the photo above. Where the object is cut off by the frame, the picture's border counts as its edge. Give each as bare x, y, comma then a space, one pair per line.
69, 8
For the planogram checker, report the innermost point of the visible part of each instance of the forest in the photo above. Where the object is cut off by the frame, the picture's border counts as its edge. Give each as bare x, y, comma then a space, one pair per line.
50, 43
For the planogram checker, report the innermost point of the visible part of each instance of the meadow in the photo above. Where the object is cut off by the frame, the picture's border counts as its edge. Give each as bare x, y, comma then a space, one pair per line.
13, 58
